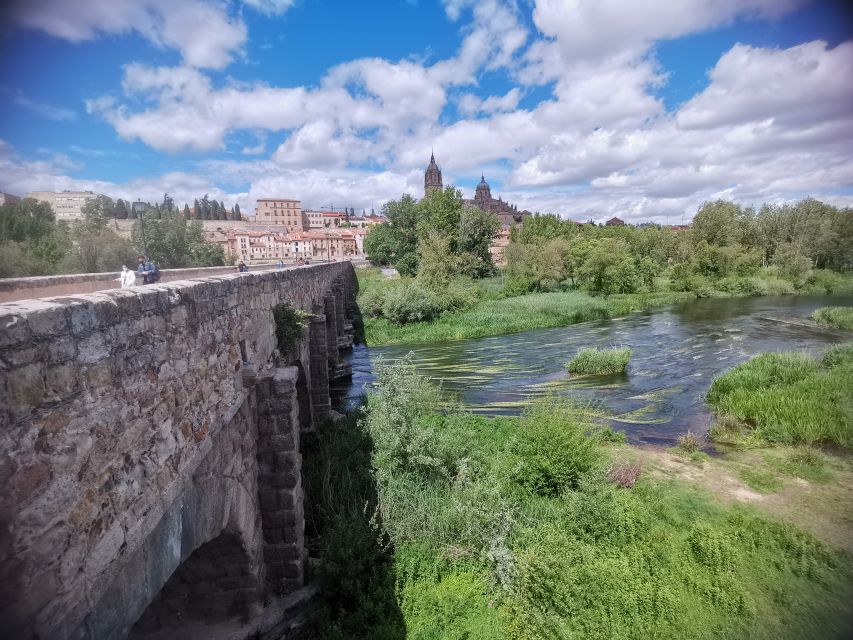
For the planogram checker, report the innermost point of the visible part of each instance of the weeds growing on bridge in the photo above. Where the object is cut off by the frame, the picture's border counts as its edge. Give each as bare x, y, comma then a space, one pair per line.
289, 323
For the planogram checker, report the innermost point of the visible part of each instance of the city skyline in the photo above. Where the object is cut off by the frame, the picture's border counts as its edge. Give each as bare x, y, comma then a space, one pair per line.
588, 110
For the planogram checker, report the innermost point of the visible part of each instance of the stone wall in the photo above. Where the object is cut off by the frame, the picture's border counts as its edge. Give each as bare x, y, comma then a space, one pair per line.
12, 289
137, 426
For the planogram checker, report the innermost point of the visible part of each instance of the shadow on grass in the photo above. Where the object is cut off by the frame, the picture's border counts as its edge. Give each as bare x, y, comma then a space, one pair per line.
354, 567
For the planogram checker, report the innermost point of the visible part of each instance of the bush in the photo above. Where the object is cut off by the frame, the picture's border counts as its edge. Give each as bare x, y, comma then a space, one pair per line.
409, 302
835, 317
689, 443
600, 361
552, 449
837, 355
370, 301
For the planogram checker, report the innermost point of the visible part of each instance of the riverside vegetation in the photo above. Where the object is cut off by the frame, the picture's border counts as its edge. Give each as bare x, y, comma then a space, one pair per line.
835, 317
433, 522
592, 361
559, 272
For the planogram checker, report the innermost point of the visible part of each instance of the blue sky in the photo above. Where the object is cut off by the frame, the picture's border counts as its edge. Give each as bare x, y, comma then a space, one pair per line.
586, 108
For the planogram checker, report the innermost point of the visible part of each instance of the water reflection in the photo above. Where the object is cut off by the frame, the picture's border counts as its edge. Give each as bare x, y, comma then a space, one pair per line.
676, 354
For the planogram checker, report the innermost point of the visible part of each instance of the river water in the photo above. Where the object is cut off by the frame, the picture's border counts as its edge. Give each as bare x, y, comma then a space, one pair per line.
677, 352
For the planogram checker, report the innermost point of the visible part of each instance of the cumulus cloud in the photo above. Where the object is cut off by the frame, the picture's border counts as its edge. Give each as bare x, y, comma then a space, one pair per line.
771, 124
203, 32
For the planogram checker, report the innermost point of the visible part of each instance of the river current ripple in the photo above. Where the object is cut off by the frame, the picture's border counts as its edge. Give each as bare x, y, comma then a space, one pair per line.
677, 352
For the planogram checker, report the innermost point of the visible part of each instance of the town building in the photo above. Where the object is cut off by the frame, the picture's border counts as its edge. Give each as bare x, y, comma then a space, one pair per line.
8, 198
283, 211
270, 244
615, 222
315, 220
506, 212
66, 205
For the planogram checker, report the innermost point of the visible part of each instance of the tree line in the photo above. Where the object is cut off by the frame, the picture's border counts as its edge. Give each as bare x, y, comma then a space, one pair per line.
727, 247
33, 242
203, 209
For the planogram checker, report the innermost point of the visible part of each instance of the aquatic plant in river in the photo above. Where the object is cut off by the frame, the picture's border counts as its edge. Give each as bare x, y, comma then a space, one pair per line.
592, 360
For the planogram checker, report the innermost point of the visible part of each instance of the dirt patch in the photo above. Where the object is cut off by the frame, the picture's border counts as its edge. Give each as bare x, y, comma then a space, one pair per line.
825, 509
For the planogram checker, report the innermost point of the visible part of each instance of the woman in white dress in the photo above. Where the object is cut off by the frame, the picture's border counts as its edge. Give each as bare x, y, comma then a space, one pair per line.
127, 277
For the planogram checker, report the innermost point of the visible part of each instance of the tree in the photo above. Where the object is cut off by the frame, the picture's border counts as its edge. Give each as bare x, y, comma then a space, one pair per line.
175, 242
477, 229
168, 205
437, 265
95, 247
716, 223
440, 211
186, 212
28, 220
609, 268
196, 210
380, 245
237, 214
121, 210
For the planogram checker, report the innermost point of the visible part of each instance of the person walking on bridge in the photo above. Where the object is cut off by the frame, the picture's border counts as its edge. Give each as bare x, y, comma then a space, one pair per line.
127, 277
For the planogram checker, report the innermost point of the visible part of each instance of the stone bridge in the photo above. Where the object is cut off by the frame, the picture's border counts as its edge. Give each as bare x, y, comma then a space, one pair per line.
150, 453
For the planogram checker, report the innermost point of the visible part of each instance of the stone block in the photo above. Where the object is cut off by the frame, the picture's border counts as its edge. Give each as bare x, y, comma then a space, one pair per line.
14, 330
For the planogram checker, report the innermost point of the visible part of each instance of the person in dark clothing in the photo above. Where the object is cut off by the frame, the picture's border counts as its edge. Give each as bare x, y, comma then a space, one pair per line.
242, 267
148, 270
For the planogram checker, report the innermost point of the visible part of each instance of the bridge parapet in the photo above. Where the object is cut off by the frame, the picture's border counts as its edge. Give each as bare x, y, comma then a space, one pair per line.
112, 404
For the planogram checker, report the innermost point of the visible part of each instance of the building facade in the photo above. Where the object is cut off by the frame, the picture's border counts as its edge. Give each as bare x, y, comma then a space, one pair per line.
283, 211
66, 205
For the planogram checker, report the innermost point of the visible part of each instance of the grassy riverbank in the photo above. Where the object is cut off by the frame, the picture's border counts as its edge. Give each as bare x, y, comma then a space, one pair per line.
494, 317
443, 524
788, 398
835, 317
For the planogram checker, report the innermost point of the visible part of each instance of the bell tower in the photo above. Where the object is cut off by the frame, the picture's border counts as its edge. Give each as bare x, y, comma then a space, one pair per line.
432, 177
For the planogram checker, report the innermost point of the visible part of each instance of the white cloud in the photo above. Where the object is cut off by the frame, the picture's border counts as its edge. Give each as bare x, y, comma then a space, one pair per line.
771, 124
202, 31
471, 105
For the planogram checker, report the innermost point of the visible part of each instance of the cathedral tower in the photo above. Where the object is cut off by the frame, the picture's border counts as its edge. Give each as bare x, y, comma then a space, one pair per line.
432, 177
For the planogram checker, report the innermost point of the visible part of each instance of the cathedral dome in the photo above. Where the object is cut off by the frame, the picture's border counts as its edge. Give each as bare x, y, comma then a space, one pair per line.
483, 184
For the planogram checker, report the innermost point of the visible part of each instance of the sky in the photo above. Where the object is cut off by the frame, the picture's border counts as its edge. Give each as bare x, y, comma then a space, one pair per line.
584, 108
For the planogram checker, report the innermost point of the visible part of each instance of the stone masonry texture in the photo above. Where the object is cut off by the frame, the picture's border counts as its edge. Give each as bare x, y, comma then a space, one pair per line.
132, 450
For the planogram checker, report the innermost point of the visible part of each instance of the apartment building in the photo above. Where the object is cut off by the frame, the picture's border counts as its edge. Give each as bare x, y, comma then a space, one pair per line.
283, 211
66, 205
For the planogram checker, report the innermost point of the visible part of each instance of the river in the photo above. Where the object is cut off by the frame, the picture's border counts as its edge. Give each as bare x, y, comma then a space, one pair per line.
677, 352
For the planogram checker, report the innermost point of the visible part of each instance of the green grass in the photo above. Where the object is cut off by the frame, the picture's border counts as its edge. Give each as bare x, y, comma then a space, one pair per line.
592, 360
510, 528
835, 317
789, 398
493, 317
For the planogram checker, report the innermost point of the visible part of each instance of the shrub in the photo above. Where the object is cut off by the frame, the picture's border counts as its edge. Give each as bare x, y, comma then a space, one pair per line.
625, 473
689, 443
835, 317
409, 302
370, 301
824, 281
592, 360
552, 449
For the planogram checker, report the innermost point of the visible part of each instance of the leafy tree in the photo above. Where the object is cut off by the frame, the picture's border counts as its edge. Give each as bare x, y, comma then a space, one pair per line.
609, 268
237, 214
441, 211
174, 242
30, 219
121, 210
437, 265
716, 223
186, 212
477, 229
168, 205
95, 247
380, 245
